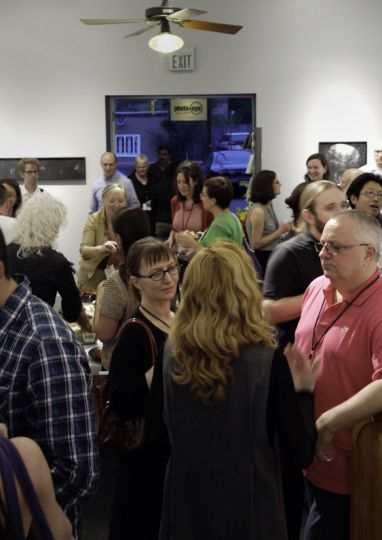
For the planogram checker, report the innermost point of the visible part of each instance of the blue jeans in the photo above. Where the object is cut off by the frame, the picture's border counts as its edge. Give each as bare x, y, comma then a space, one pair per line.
329, 515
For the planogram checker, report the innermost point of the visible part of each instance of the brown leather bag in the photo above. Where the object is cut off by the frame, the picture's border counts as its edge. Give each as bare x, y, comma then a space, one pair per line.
366, 499
113, 432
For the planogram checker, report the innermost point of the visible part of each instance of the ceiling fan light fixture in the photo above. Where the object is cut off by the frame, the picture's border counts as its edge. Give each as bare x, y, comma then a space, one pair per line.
165, 42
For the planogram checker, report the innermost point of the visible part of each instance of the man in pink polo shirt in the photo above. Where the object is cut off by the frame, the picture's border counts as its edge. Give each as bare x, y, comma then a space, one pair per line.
341, 322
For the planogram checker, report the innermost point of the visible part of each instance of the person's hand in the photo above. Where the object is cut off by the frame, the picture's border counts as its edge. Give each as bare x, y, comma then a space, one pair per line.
84, 321
3, 431
304, 373
324, 448
110, 247
285, 227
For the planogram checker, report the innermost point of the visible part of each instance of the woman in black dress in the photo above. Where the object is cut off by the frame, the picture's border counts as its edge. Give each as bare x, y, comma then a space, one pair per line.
136, 391
228, 401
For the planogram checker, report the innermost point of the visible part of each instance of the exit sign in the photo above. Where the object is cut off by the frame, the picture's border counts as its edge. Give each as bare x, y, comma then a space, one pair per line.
182, 60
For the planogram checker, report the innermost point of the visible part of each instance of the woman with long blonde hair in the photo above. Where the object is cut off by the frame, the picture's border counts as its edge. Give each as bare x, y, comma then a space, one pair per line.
228, 397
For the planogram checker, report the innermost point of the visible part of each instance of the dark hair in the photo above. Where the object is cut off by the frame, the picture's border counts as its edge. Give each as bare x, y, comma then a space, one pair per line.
261, 189
358, 183
11, 182
4, 195
151, 251
324, 163
293, 201
191, 169
131, 224
220, 189
164, 147
4, 256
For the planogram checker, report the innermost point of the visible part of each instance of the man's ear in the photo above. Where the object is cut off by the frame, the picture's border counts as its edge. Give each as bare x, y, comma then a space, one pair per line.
370, 252
2, 270
353, 199
308, 216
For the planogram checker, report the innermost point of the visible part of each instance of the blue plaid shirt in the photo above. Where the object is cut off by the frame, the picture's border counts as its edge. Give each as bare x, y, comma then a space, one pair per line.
45, 394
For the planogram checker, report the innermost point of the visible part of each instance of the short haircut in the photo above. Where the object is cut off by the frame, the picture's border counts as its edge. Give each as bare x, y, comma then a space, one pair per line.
111, 153
261, 188
163, 147
220, 189
191, 169
11, 182
141, 158
4, 256
357, 185
27, 161
368, 227
4, 195
324, 163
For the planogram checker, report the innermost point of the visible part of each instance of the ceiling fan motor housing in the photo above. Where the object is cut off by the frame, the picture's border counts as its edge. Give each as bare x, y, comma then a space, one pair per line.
160, 12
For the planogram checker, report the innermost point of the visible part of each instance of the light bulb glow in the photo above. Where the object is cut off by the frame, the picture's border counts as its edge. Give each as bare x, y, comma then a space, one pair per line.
166, 42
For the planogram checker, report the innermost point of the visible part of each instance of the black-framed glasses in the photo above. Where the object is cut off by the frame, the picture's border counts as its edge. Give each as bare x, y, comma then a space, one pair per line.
333, 248
372, 195
158, 275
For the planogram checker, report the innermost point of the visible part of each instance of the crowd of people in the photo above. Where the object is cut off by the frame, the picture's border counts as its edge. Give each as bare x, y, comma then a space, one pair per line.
249, 389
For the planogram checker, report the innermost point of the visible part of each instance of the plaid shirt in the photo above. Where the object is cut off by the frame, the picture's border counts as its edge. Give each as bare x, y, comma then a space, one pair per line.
45, 394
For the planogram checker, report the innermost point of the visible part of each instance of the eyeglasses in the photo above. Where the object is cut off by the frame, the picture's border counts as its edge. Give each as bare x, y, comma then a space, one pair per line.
372, 195
158, 275
332, 248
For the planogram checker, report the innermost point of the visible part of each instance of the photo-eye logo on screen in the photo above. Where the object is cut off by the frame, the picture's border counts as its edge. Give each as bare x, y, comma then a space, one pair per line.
196, 108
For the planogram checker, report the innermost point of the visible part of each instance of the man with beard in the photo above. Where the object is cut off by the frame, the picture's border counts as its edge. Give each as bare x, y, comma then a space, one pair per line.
295, 263
365, 194
291, 268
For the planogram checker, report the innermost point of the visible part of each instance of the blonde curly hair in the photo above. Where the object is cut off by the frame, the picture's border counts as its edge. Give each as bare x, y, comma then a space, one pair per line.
220, 313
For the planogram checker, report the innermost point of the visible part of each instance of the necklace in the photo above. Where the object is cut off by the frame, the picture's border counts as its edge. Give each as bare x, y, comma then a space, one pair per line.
154, 316
184, 225
272, 215
315, 343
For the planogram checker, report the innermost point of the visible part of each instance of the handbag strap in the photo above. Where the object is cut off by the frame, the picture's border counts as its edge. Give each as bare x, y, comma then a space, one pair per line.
150, 336
11, 464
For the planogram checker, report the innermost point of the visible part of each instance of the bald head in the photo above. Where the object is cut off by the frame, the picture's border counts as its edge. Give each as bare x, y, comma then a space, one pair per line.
109, 164
378, 153
347, 178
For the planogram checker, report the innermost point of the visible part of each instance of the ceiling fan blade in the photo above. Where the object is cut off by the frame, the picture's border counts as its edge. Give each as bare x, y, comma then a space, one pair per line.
211, 26
185, 14
112, 21
146, 28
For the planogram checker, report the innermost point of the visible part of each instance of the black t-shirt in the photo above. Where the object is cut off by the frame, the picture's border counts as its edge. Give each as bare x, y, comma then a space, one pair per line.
293, 265
49, 273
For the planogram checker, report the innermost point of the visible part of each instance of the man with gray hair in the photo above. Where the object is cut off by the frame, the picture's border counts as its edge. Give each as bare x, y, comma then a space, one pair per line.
341, 322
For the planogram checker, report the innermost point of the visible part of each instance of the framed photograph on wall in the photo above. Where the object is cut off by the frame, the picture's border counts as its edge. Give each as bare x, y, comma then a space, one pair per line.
342, 156
52, 170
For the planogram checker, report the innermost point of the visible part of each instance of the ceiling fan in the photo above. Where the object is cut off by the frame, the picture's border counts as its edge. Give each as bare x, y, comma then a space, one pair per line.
162, 16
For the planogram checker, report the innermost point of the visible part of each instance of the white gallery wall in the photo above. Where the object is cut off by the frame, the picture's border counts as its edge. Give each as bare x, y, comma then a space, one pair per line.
315, 66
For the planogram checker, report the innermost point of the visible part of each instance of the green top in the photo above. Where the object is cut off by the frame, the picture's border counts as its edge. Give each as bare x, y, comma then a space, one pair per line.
225, 226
